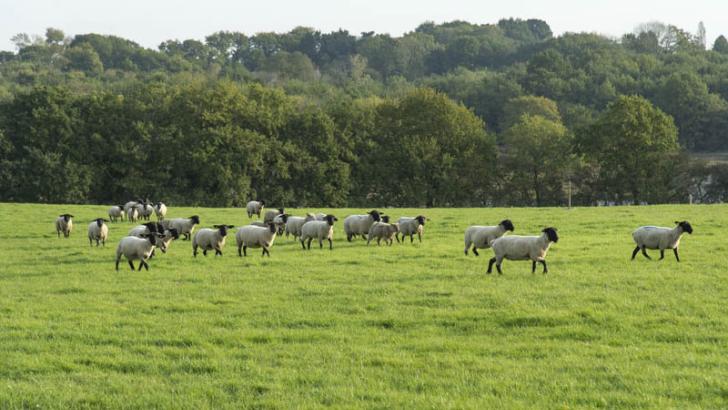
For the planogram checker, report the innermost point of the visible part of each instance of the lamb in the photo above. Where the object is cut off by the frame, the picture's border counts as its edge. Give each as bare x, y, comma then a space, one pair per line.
519, 248
116, 212
208, 239
255, 208
252, 236
383, 230
319, 230
64, 224
98, 231
359, 224
653, 237
411, 226
134, 248
295, 223
160, 209
185, 226
481, 237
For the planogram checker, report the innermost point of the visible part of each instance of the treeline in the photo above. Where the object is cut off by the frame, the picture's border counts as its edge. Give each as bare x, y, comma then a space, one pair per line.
450, 114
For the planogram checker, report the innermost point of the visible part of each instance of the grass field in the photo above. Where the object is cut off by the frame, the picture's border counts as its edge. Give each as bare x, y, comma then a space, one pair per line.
407, 326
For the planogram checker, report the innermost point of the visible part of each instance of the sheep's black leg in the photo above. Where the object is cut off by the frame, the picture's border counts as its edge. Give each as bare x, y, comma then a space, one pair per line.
303, 244
533, 267
490, 265
662, 254
321, 244
644, 252
146, 265
309, 243
141, 263
545, 268
117, 263
266, 251
676, 255
218, 252
91, 242
397, 237
348, 237
194, 251
331, 244
498, 266
412, 238
475, 251
240, 250
204, 252
131, 264
245, 250
634, 253
419, 236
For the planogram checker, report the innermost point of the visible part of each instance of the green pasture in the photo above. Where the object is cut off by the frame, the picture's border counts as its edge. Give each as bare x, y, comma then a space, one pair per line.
406, 326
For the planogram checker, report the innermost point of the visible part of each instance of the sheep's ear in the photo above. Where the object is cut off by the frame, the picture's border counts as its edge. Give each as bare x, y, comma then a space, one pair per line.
230, 226
677, 222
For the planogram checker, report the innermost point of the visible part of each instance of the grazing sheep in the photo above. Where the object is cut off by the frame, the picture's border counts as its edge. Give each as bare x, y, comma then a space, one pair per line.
64, 224
252, 236
185, 226
319, 230
98, 231
255, 208
480, 237
271, 214
294, 224
134, 248
519, 248
160, 209
653, 237
411, 226
359, 224
383, 230
208, 239
116, 212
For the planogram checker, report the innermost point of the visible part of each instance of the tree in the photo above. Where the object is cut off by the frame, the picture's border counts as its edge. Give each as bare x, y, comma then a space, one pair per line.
721, 45
517, 107
536, 159
54, 36
629, 144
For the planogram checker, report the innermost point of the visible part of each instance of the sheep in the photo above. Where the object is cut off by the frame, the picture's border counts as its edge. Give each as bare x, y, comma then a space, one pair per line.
135, 248
383, 230
271, 214
252, 236
131, 211
319, 216
160, 209
411, 226
152, 227
145, 210
209, 239
255, 208
519, 248
185, 226
480, 237
98, 231
116, 212
359, 224
294, 224
64, 224
280, 222
319, 230
653, 237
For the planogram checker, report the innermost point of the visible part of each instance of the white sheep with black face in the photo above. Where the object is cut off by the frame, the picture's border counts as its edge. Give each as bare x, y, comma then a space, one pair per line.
359, 224
64, 224
252, 236
160, 210
98, 231
210, 239
116, 212
184, 226
131, 211
319, 230
135, 248
295, 223
409, 226
255, 208
653, 237
519, 248
481, 237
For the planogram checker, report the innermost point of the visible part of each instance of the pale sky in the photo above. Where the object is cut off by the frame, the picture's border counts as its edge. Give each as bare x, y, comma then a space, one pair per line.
149, 22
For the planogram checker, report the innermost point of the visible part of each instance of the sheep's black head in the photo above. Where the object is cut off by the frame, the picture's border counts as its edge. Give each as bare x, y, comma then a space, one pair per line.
174, 233
223, 229
100, 221
121, 207
281, 211
159, 204
283, 218
421, 219
151, 237
151, 226
508, 225
262, 203
330, 219
685, 225
66, 217
385, 218
375, 215
551, 234
195, 219
272, 227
